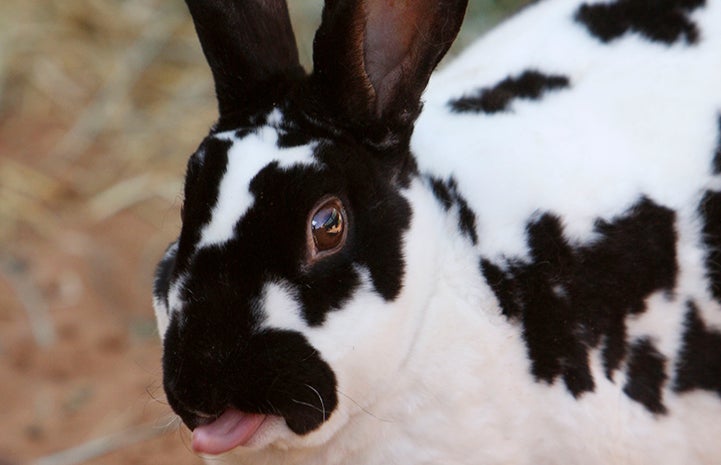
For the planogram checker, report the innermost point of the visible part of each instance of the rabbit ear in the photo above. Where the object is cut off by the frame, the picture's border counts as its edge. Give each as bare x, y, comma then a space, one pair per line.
373, 58
251, 50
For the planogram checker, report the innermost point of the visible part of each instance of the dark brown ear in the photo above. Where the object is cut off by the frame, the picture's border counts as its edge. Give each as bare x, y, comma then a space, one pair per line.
373, 58
251, 50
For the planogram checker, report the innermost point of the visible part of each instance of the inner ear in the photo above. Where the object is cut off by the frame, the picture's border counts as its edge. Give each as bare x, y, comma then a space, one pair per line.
390, 32
373, 58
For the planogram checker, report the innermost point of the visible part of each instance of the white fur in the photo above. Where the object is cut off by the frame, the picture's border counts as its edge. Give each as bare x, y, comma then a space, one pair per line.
282, 309
162, 311
246, 158
583, 153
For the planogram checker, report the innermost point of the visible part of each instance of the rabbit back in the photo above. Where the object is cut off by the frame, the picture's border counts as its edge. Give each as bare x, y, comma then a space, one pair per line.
583, 164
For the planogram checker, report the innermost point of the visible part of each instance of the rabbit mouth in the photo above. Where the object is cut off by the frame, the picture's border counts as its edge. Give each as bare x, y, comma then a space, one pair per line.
231, 429
278, 374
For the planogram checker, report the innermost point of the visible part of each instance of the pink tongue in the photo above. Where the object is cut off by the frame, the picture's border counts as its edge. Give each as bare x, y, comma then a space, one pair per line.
232, 429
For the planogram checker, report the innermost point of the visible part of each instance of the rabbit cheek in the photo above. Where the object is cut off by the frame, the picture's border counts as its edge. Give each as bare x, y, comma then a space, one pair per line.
161, 287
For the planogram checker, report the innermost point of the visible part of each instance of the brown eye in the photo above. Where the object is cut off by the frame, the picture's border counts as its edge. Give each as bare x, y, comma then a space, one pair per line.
327, 226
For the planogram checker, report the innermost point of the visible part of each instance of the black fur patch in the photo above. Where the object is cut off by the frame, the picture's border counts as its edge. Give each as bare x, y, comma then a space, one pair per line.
447, 194
570, 298
271, 237
658, 20
710, 211
243, 132
273, 372
717, 155
530, 85
646, 376
699, 360
295, 130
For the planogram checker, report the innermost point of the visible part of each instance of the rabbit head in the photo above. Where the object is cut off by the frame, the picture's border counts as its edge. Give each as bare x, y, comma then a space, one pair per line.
281, 304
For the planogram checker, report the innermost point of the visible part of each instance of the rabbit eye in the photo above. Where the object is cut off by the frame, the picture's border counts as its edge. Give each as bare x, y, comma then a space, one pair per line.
327, 226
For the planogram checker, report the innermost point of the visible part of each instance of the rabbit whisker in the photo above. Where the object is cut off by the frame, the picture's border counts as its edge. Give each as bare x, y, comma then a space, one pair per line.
307, 404
322, 404
364, 410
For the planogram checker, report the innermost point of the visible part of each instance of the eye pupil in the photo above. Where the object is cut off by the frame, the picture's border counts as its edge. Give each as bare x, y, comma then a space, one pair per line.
327, 226
332, 222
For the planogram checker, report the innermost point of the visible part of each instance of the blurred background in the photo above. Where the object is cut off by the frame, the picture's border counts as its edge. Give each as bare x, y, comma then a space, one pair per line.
101, 103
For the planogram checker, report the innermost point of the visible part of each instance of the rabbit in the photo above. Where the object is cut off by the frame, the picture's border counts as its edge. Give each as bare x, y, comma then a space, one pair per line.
513, 260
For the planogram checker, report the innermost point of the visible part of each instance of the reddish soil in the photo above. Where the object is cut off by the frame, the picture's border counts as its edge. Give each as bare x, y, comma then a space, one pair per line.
98, 374
100, 104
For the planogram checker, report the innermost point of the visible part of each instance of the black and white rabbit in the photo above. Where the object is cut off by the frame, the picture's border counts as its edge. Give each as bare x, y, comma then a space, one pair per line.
523, 269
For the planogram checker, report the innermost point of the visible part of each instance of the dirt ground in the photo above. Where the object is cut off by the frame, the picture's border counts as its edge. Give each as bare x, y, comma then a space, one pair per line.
101, 102
92, 153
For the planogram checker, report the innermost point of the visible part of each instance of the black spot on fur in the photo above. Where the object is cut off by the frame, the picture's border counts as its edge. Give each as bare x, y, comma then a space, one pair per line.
295, 130
442, 192
377, 218
380, 215
243, 132
447, 194
699, 360
530, 85
570, 298
293, 138
658, 20
717, 156
646, 376
710, 211
505, 288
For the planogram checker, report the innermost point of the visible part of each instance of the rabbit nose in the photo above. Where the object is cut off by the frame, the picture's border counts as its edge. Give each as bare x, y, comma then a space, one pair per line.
195, 395
194, 418
196, 410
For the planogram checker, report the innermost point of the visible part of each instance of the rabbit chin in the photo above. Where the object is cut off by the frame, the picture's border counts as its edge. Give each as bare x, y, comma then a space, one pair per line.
274, 437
